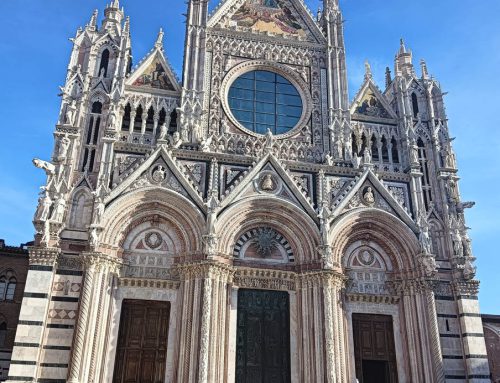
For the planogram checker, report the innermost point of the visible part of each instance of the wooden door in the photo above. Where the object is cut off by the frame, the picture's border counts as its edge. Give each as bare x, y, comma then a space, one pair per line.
141, 355
374, 351
263, 337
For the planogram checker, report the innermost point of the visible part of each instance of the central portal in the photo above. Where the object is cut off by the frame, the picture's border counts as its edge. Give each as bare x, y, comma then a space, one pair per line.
263, 339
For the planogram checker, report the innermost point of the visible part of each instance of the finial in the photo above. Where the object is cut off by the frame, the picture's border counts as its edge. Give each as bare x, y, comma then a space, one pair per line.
116, 4
93, 19
368, 71
159, 39
402, 47
425, 72
388, 77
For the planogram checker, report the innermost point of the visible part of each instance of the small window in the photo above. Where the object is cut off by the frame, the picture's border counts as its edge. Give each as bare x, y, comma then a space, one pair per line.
97, 107
375, 154
3, 333
395, 152
126, 118
103, 67
3, 288
11, 289
414, 102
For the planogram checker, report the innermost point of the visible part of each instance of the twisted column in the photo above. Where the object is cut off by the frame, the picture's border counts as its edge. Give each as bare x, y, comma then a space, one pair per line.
90, 264
205, 331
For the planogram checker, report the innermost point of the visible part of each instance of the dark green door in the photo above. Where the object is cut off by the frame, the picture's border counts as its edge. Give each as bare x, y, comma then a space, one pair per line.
263, 338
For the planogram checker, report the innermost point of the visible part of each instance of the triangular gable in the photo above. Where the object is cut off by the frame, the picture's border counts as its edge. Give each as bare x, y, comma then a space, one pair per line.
357, 194
287, 18
371, 104
269, 177
154, 72
162, 170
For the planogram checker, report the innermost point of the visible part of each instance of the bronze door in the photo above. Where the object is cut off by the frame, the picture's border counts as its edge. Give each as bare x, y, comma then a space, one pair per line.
263, 337
374, 348
141, 355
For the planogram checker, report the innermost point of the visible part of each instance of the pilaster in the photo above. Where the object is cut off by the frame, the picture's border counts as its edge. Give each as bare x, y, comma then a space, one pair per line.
26, 356
472, 333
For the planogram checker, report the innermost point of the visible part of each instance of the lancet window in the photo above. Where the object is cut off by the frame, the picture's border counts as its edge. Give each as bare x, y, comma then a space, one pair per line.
425, 169
92, 137
103, 66
414, 104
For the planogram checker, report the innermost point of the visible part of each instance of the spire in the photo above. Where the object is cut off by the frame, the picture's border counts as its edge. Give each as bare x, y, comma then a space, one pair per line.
425, 72
388, 78
404, 60
159, 40
113, 14
93, 19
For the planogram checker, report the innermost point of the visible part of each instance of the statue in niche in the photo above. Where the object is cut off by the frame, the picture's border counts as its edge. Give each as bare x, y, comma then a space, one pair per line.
62, 148
112, 119
159, 174
368, 196
414, 154
348, 147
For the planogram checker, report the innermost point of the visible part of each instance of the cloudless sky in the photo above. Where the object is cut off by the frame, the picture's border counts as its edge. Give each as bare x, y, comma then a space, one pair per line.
459, 39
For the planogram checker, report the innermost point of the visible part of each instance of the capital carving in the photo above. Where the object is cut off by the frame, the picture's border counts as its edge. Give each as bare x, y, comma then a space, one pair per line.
44, 256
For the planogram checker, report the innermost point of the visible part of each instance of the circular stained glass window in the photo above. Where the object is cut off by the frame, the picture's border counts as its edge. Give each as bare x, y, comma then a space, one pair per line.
262, 100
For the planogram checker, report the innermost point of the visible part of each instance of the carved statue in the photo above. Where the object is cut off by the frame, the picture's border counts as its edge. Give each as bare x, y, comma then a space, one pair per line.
46, 166
112, 119
458, 248
59, 209
367, 156
70, 113
348, 147
94, 238
62, 148
45, 241
268, 183
163, 132
328, 159
99, 211
425, 240
368, 196
176, 140
469, 268
428, 262
205, 144
44, 205
414, 154
269, 139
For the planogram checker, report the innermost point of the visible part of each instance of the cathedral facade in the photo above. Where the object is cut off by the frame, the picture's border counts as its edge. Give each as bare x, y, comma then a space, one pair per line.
248, 223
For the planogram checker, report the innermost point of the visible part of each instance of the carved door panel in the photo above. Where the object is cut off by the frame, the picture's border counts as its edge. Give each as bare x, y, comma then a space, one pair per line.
374, 348
142, 342
263, 337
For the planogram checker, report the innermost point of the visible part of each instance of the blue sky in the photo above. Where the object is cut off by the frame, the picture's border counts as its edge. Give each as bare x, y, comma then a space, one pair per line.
459, 39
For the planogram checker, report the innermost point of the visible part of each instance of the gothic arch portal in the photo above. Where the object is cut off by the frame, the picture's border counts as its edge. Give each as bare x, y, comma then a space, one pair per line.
288, 220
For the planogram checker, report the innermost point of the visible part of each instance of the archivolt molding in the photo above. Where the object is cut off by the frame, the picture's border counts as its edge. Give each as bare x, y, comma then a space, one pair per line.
389, 233
140, 206
296, 226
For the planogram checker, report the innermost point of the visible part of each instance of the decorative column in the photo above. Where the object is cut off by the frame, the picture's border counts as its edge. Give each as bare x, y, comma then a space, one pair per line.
203, 323
80, 347
336, 362
32, 318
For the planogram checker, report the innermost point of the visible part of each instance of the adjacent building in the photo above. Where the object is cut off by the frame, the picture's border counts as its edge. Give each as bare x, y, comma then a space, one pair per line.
248, 223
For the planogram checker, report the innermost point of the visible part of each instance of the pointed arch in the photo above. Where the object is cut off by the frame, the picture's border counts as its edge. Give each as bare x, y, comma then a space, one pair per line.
150, 205
414, 104
285, 218
81, 209
104, 63
396, 239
